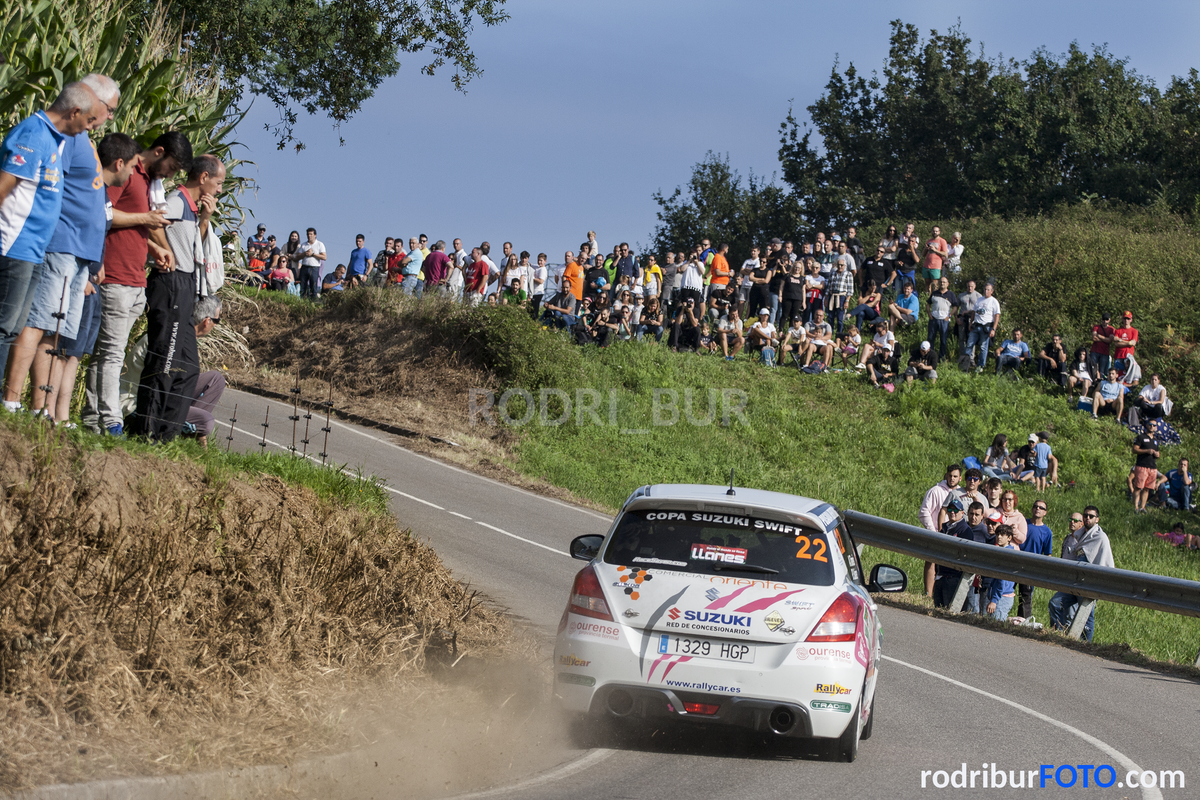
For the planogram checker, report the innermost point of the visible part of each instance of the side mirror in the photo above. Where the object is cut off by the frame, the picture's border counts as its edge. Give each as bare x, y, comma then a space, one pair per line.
585, 548
886, 578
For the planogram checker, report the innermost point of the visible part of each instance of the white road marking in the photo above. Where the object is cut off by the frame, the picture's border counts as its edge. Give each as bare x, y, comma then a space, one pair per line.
522, 539
1122, 759
464, 516
565, 771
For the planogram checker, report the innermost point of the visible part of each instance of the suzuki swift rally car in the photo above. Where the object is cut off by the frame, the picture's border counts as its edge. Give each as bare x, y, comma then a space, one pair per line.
722, 606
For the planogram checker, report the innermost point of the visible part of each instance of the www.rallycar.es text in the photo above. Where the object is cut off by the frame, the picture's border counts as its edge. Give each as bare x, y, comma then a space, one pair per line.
1065, 776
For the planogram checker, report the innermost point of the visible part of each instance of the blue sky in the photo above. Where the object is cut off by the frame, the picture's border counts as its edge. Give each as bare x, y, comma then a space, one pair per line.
585, 109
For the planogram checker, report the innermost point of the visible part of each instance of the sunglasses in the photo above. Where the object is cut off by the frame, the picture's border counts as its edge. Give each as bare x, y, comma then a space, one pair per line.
1089, 516
215, 320
1077, 519
1039, 508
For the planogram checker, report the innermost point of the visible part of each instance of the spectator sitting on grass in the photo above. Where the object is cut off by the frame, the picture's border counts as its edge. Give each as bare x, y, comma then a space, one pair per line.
1012, 353
335, 282
651, 320
1190, 540
1025, 461
820, 338
708, 342
1087, 542
795, 341
905, 309
1153, 399
867, 309
882, 343
1080, 374
883, 366
996, 461
685, 327
513, 294
729, 331
1002, 592
1179, 490
763, 337
1109, 396
922, 363
848, 346
559, 310
1053, 362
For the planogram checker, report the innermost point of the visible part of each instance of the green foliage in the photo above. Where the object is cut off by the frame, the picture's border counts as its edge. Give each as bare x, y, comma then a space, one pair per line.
834, 438
326, 56
946, 132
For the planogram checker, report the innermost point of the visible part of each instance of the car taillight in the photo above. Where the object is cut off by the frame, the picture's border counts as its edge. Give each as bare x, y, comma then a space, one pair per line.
840, 622
586, 597
707, 709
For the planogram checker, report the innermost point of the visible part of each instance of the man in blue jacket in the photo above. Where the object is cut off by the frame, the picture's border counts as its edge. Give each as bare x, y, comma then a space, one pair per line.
972, 528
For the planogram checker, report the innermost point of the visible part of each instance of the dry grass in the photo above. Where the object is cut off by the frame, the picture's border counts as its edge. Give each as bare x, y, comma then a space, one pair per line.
154, 620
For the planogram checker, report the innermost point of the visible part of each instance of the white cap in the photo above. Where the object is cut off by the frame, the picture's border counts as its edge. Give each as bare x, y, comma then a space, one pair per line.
924, 345
1033, 437
762, 311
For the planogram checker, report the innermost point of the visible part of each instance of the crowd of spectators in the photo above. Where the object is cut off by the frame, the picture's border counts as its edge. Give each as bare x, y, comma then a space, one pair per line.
80, 221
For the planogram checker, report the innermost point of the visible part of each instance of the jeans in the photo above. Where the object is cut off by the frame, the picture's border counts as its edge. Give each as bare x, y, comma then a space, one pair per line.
838, 316
18, 284
775, 310
1008, 362
1062, 613
310, 282
938, 328
409, 285
1003, 606
979, 336
657, 330
120, 308
863, 313
944, 589
1099, 364
1180, 499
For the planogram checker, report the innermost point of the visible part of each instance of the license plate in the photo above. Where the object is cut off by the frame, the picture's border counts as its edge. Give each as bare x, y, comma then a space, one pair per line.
705, 648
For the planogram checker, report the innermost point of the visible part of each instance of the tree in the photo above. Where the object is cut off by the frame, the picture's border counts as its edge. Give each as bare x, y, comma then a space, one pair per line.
327, 56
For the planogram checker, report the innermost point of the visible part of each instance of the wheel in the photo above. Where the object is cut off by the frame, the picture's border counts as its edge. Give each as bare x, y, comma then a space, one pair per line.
847, 744
866, 731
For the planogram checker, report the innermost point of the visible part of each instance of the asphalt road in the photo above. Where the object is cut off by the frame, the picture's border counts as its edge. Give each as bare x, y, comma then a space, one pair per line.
949, 694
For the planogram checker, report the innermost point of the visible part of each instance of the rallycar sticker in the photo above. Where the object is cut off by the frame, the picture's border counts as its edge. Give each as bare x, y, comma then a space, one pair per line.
831, 688
572, 661
716, 552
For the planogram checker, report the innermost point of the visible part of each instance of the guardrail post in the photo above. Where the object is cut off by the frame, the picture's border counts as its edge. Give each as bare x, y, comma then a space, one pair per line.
1083, 612
960, 596
1197, 664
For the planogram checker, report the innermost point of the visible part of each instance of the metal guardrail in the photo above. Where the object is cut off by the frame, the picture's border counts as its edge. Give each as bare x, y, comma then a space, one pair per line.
1157, 592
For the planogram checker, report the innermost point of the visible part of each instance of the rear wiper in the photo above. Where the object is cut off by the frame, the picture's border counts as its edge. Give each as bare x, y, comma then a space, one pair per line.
717, 567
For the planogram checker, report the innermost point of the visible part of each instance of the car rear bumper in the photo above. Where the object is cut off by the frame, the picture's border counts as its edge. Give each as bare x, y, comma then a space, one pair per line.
639, 701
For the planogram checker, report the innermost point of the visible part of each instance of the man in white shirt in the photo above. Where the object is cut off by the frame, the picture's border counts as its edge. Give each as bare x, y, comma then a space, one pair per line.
312, 253
984, 325
748, 266
493, 284
458, 259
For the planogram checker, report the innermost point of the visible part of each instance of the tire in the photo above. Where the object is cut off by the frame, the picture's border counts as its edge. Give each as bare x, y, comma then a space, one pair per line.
867, 729
847, 744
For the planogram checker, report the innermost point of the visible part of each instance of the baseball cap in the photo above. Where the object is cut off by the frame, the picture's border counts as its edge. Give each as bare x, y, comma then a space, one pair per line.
1033, 437
995, 516
762, 311
262, 227
777, 241
954, 504
1106, 315
924, 346
1128, 315
836, 238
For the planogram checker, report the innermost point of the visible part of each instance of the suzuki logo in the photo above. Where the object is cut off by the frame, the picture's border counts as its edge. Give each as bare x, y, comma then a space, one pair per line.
712, 594
673, 613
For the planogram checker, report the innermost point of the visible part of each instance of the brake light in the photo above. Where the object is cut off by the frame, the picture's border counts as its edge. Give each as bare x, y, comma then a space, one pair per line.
586, 597
707, 709
840, 622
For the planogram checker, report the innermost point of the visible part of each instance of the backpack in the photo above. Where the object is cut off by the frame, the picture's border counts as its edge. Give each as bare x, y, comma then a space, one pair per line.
815, 368
768, 355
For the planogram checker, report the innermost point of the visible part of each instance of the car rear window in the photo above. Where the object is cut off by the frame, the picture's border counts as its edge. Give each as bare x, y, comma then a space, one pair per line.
702, 542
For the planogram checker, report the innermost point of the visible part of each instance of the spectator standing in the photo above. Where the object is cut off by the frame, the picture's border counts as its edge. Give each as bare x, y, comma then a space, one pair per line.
257, 250
966, 313
1043, 456
311, 254
378, 269
942, 303
458, 279
1125, 340
972, 529
967, 492
927, 514
953, 262
1103, 336
410, 269
291, 254
720, 273
670, 279
72, 256
359, 263
984, 325
541, 275
1145, 469
877, 268
437, 266
841, 285
172, 361
1086, 542
477, 278
123, 287
1002, 592
935, 253
1038, 540
890, 245
572, 277
31, 199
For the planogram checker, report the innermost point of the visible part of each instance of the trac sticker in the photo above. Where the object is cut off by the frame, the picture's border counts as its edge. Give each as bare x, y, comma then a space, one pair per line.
716, 552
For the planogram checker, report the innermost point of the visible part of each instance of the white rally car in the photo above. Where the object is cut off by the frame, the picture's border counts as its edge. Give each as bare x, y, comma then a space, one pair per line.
716, 605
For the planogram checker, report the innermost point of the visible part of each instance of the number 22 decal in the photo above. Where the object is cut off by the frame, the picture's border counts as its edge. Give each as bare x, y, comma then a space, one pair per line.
805, 543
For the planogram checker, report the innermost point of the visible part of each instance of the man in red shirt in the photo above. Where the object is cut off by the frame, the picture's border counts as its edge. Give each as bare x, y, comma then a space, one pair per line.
1102, 336
1125, 339
123, 292
436, 267
477, 278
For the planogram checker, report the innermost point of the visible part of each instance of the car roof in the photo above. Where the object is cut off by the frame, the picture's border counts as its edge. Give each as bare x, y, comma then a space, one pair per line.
719, 498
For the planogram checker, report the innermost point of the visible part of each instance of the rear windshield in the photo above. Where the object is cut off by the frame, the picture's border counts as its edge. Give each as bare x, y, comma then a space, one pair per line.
695, 541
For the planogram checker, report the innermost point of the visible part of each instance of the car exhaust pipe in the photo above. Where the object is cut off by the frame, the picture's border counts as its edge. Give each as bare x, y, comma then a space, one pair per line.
620, 703
782, 720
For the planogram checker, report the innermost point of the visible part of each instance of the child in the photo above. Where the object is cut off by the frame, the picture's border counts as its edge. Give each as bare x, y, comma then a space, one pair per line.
848, 345
1041, 461
795, 341
708, 343
1000, 597
1190, 540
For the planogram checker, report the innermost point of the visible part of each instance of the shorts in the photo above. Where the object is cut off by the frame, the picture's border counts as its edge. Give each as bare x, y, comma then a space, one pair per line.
1144, 477
849, 350
929, 375
1040, 472
49, 297
744, 294
932, 274
89, 328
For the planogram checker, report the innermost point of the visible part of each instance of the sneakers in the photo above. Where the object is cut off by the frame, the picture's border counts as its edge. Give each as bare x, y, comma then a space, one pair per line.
116, 430
860, 365
979, 370
13, 406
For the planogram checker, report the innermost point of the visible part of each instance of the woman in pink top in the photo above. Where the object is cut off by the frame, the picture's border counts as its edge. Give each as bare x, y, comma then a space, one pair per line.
1008, 507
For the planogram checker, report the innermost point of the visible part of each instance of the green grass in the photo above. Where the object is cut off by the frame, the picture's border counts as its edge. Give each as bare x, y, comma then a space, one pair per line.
835, 438
328, 482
